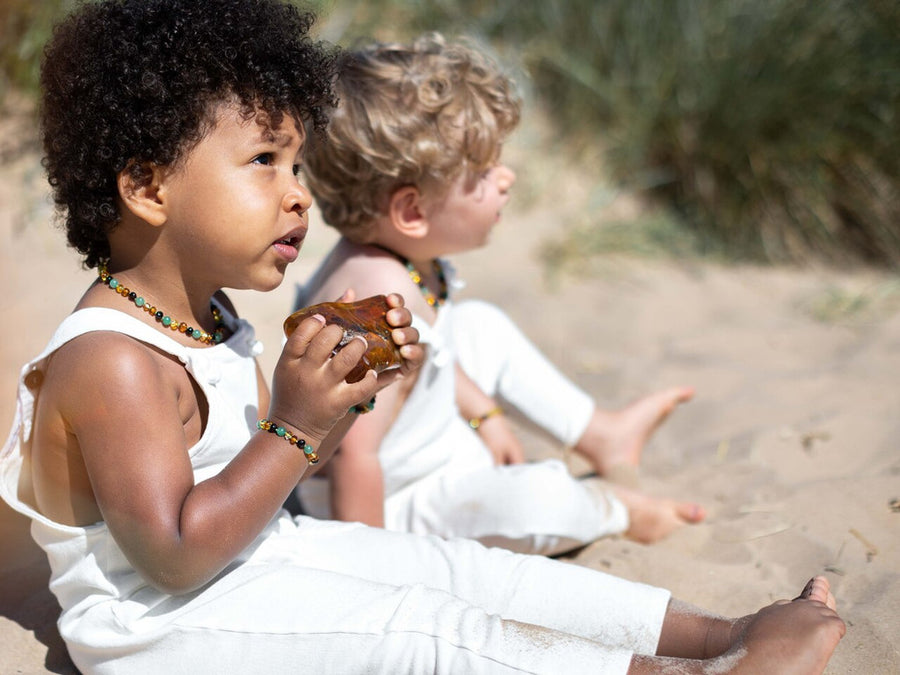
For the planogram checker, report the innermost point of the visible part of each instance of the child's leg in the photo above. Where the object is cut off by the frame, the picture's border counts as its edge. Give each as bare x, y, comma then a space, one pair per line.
576, 601
528, 589
528, 508
686, 625
653, 518
614, 440
328, 597
503, 362
282, 617
796, 636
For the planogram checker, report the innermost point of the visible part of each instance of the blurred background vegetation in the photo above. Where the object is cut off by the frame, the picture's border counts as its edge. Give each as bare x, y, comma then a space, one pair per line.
760, 130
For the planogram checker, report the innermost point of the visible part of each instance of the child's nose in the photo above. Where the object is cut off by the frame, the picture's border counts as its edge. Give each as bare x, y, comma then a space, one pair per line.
297, 198
505, 177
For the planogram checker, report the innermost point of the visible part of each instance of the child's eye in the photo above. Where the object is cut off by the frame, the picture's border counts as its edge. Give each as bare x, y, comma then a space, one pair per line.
265, 159
296, 169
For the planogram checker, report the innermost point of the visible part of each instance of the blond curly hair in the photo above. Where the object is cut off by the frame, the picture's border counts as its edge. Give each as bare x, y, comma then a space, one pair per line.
420, 114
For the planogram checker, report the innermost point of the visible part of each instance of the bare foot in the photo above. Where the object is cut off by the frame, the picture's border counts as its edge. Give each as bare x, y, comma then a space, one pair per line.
818, 589
797, 636
653, 518
618, 437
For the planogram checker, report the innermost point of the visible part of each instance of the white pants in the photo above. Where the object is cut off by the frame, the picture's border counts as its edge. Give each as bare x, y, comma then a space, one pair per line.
529, 508
323, 597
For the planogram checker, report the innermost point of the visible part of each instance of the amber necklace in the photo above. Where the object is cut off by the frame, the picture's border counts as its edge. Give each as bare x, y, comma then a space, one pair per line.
161, 317
438, 269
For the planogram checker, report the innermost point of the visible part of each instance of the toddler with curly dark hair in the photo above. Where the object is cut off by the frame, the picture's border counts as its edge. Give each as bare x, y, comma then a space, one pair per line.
152, 458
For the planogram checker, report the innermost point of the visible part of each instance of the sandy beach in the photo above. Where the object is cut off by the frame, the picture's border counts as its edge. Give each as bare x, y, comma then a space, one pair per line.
792, 441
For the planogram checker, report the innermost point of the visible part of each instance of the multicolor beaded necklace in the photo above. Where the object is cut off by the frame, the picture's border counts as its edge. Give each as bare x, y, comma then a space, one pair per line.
161, 317
438, 269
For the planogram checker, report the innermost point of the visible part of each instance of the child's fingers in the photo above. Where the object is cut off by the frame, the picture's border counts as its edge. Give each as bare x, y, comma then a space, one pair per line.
365, 388
413, 357
398, 317
349, 355
405, 336
324, 343
348, 296
299, 340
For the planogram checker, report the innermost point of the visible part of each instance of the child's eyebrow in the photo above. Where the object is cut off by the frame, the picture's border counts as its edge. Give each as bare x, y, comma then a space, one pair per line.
280, 139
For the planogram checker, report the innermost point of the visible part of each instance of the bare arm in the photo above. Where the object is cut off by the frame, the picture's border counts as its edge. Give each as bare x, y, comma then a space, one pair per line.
356, 477
470, 399
495, 431
134, 442
357, 482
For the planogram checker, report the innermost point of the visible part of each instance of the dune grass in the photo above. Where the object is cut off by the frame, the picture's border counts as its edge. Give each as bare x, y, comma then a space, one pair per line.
767, 130
769, 127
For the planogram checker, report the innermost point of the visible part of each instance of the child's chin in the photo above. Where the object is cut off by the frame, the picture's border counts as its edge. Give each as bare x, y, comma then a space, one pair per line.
270, 284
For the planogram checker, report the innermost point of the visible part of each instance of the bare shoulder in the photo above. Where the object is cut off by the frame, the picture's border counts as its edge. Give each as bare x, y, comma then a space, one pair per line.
366, 270
99, 396
105, 361
104, 374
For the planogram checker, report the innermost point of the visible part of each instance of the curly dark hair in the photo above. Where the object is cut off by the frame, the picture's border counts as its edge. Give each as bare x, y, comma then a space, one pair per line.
129, 83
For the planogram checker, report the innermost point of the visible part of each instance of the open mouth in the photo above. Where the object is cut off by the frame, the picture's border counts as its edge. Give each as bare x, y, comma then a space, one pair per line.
290, 241
289, 247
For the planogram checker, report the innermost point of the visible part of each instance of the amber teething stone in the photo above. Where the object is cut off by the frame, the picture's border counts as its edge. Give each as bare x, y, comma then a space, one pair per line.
365, 318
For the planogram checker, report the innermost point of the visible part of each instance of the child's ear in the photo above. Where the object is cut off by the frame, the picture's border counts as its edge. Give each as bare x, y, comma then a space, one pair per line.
406, 212
140, 188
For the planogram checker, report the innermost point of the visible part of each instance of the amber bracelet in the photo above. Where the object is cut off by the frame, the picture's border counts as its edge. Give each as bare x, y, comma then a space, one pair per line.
476, 422
311, 455
363, 408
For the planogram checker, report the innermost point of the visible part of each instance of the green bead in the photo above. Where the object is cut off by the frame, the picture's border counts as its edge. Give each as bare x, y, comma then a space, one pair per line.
167, 321
280, 431
139, 301
196, 334
113, 283
308, 450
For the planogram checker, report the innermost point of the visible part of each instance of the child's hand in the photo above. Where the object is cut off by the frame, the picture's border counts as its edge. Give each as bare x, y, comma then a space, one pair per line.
309, 392
498, 436
404, 336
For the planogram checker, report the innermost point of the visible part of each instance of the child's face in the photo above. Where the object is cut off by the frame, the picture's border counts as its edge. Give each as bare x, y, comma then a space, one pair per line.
464, 219
234, 202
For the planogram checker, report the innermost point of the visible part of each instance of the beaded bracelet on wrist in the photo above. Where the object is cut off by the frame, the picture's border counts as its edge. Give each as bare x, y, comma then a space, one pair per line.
363, 408
311, 455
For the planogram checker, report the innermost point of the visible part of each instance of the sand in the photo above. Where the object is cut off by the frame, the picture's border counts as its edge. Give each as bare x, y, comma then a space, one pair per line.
791, 441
